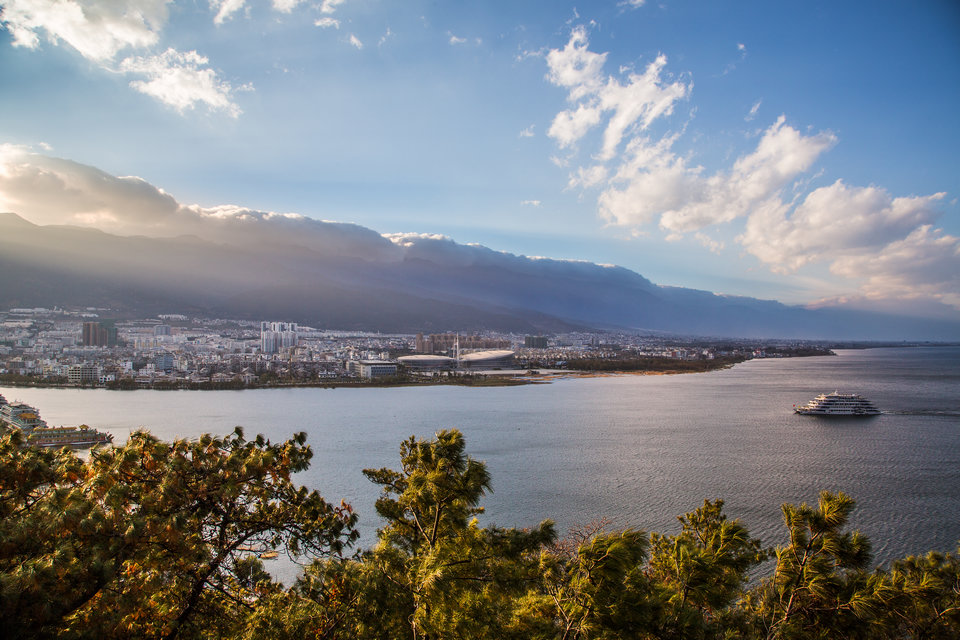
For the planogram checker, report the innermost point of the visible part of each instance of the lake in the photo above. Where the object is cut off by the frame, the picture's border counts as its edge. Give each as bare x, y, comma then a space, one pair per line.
638, 450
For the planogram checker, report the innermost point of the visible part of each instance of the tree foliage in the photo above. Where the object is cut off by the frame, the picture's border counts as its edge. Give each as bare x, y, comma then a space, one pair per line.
701, 572
820, 587
156, 540
152, 539
452, 576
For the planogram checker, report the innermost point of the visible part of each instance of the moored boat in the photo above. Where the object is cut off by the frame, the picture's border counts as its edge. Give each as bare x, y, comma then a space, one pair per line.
36, 431
838, 404
80, 437
20, 415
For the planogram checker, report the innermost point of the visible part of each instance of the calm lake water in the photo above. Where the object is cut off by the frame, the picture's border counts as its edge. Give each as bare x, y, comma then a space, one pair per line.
638, 450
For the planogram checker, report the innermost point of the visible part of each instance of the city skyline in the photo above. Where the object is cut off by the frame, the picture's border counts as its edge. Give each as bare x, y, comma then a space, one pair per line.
802, 154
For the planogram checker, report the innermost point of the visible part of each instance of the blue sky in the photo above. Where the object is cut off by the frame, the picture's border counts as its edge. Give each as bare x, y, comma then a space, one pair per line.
804, 152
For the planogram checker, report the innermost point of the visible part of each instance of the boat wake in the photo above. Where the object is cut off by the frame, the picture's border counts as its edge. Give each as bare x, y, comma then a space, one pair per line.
949, 413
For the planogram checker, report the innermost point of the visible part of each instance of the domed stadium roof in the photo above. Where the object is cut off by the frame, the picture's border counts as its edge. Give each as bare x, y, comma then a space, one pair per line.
426, 360
486, 357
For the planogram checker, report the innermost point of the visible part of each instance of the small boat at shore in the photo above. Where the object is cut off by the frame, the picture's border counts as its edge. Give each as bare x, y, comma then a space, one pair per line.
838, 404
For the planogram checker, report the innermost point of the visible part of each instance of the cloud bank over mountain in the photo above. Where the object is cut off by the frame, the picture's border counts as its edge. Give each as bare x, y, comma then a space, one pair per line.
48, 190
232, 259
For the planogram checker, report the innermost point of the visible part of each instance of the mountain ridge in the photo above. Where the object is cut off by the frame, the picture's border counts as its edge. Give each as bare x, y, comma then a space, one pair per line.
431, 284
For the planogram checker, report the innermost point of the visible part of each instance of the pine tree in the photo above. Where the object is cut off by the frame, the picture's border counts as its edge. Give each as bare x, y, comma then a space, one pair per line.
820, 588
701, 573
152, 539
455, 578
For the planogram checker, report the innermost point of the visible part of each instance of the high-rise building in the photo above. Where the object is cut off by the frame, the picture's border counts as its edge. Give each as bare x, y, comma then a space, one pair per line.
277, 335
99, 334
90, 333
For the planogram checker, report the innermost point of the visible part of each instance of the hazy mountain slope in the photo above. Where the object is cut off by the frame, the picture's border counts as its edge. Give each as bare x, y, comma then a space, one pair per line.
58, 265
427, 284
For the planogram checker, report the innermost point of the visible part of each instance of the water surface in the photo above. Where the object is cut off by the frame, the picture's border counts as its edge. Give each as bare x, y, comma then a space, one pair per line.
638, 450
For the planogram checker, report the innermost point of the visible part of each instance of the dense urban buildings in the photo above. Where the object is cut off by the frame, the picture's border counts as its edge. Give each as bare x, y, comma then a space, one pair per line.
79, 347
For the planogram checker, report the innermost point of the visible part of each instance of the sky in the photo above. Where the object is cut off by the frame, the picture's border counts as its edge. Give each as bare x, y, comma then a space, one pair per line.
802, 152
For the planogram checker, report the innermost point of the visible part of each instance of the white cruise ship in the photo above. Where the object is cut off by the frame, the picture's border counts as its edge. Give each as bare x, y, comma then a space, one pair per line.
838, 404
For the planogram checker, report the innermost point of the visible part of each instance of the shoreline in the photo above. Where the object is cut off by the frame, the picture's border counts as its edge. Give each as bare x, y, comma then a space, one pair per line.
475, 379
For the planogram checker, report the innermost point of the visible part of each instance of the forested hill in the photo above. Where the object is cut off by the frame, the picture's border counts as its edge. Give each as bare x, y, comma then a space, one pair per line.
160, 540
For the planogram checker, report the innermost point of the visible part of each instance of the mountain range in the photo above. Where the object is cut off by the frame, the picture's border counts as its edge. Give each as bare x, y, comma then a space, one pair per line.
342, 276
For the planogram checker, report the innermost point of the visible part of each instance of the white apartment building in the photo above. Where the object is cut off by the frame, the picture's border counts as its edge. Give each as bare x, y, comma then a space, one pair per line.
277, 335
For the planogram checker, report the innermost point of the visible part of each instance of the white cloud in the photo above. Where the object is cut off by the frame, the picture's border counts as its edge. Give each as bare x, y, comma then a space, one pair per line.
713, 245
530, 203
330, 6
641, 101
782, 154
587, 177
653, 182
527, 53
11, 156
225, 9
527, 133
47, 190
408, 239
633, 4
355, 41
327, 22
97, 30
181, 80
286, 6
632, 105
862, 234
575, 67
925, 265
455, 40
885, 246
835, 222
649, 182
569, 126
